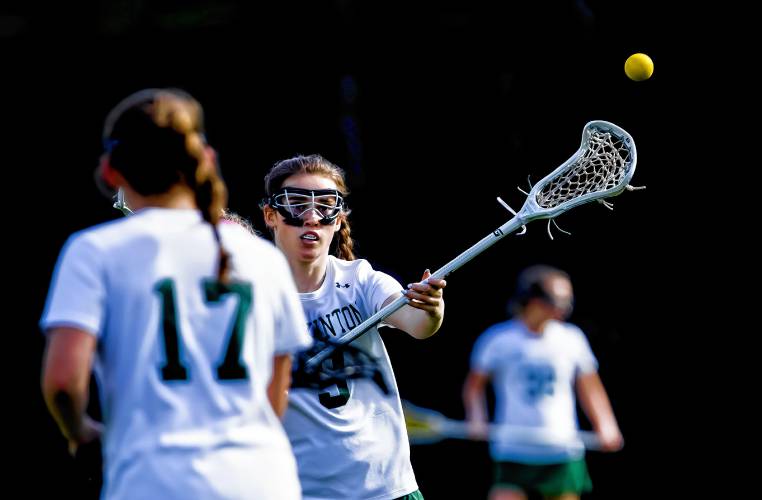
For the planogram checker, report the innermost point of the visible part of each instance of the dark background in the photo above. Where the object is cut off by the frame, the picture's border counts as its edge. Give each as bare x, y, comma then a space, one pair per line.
434, 109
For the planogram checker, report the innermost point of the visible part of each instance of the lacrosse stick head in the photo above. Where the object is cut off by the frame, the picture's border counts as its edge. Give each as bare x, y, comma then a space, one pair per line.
601, 168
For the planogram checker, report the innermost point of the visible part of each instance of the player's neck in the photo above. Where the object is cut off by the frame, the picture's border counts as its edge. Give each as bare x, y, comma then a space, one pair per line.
535, 323
309, 276
178, 196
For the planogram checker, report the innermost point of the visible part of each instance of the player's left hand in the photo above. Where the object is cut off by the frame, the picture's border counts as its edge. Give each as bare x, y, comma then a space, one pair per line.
89, 431
427, 295
611, 438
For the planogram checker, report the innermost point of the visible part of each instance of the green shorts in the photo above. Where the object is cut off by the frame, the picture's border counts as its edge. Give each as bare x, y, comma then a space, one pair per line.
416, 495
551, 479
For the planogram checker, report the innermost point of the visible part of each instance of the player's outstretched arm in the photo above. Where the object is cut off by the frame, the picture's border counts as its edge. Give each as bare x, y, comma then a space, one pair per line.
424, 313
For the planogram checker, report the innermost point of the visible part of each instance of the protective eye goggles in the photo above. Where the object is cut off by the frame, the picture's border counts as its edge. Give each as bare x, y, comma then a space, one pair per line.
295, 203
559, 299
565, 304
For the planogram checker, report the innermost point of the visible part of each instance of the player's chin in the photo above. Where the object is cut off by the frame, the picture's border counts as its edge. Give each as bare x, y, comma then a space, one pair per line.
310, 253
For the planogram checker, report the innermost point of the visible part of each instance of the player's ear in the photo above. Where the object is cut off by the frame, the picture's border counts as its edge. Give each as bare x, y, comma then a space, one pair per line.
340, 220
270, 216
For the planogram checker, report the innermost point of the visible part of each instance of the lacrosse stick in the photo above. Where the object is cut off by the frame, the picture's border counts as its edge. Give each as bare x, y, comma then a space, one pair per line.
426, 426
601, 168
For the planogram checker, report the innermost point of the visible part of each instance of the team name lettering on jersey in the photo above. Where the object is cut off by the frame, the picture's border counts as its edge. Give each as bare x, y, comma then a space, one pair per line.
337, 322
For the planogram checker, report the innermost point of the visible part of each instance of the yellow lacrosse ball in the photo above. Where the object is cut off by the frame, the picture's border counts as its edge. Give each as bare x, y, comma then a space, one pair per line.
639, 67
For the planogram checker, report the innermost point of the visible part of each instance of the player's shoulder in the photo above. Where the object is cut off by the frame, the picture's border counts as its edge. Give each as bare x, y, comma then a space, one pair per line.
361, 272
257, 252
357, 270
354, 266
99, 236
147, 224
566, 330
565, 327
508, 327
239, 236
505, 331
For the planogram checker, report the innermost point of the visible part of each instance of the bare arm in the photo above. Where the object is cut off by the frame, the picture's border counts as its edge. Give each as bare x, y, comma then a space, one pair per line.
475, 403
595, 402
423, 316
66, 381
277, 391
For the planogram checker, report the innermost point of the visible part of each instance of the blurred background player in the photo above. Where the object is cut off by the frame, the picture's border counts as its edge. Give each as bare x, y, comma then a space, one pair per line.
349, 439
189, 325
536, 362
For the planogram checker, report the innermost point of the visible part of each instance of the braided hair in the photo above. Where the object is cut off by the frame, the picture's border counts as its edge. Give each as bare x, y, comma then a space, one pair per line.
155, 139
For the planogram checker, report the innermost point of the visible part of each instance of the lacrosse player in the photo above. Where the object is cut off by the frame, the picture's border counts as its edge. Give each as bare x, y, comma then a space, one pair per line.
349, 438
188, 324
537, 362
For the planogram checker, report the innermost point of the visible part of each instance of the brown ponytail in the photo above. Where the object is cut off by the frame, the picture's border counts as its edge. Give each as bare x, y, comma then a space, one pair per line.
345, 244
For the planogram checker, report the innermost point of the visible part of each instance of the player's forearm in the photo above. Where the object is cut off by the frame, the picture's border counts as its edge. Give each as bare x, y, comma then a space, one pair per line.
66, 378
425, 324
595, 402
475, 404
422, 315
68, 409
476, 409
277, 391
474, 400
419, 323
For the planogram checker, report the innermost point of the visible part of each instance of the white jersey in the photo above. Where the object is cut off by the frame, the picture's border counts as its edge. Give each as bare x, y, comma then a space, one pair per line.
534, 377
350, 442
183, 364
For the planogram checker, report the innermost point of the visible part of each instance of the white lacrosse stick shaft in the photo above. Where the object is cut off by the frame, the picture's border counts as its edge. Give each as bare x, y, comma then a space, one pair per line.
486, 242
622, 166
518, 434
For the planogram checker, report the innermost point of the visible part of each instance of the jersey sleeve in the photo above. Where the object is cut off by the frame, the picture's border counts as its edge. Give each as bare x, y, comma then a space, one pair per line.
77, 295
292, 333
586, 361
484, 353
378, 285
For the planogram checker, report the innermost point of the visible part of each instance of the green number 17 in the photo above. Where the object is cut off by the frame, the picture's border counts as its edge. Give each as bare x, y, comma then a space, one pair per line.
231, 367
